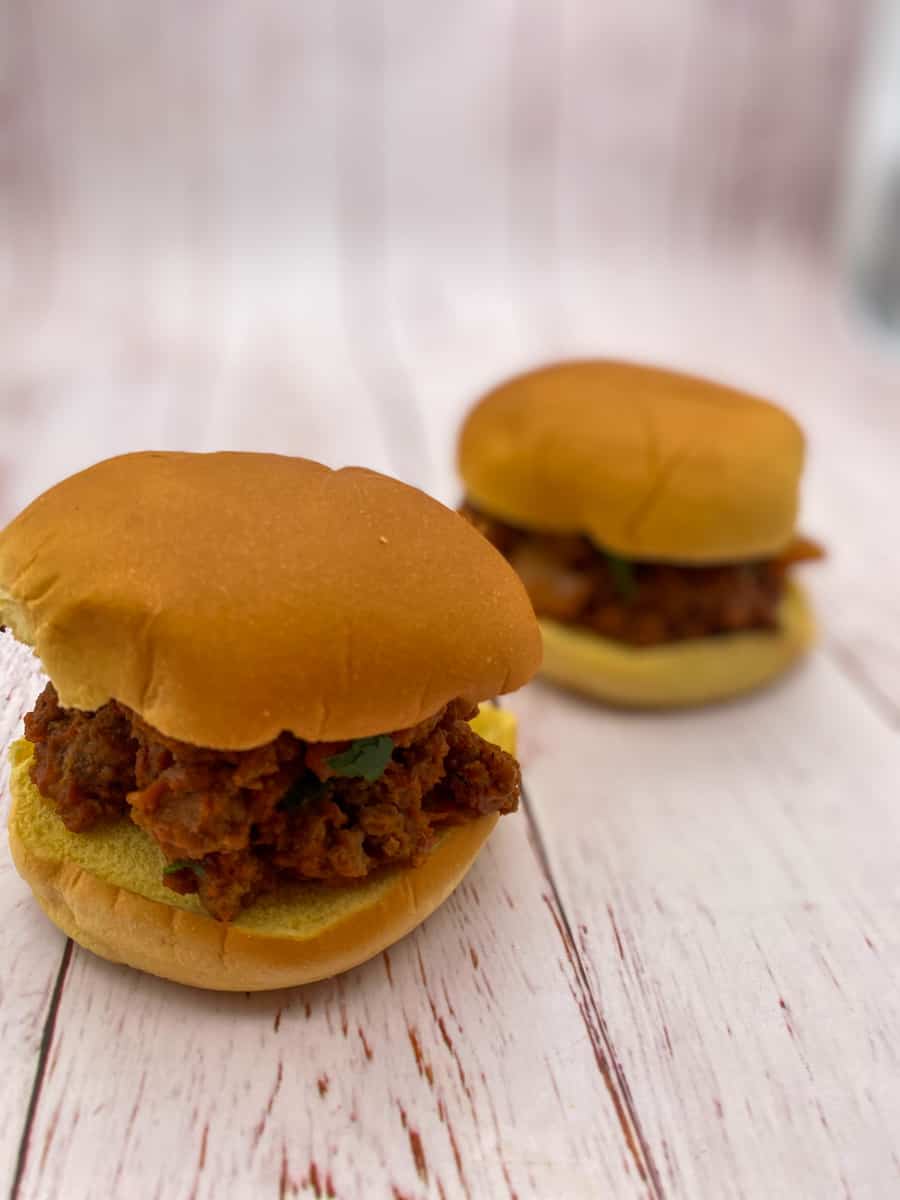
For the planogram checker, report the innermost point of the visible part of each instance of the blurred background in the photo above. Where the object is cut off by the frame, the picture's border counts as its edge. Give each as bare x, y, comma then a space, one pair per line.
291, 225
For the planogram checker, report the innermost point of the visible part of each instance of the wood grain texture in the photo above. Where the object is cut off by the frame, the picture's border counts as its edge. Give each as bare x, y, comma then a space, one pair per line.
736, 904
281, 226
415, 1074
32, 955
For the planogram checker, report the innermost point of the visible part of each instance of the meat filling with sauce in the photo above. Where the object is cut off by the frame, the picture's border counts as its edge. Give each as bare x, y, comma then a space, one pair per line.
235, 824
571, 580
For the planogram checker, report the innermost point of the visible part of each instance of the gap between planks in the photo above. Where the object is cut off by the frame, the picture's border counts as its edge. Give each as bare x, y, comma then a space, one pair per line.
605, 1056
41, 1068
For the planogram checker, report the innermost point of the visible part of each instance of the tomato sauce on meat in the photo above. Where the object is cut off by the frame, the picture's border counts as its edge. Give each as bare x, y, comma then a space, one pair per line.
236, 824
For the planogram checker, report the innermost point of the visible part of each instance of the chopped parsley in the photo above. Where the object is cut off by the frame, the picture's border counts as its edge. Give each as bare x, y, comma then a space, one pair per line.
183, 864
302, 790
365, 758
622, 571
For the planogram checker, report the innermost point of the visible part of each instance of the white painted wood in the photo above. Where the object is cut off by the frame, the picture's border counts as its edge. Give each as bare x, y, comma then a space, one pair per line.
720, 863
460, 1064
732, 876
31, 954
283, 226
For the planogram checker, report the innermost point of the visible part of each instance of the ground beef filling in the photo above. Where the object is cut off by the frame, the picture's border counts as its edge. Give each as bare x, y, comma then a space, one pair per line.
233, 825
570, 580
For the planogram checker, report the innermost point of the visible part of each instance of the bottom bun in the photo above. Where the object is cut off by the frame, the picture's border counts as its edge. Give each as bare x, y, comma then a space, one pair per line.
104, 890
678, 674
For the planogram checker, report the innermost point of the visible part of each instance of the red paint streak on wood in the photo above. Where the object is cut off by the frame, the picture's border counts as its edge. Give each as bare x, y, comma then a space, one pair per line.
367, 1049
498, 1138
423, 974
387, 967
285, 1183
442, 1026
418, 1153
457, 1158
473, 954
422, 1064
592, 1021
449, 1003
448, 1042
203, 1144
48, 1136
267, 1112
415, 1145
441, 1193
615, 929
329, 1187
313, 1178
396, 1194
322, 1085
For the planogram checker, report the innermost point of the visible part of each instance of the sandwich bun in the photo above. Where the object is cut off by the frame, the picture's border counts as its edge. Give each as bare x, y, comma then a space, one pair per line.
678, 674
650, 464
228, 597
103, 889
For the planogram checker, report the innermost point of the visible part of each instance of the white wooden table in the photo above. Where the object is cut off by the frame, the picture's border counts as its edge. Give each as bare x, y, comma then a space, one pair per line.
677, 972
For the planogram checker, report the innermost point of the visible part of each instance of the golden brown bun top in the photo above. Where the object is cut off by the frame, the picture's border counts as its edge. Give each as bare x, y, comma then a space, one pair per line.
648, 463
227, 597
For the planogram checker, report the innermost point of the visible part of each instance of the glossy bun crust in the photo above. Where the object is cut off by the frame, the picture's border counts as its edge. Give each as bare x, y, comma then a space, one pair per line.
227, 597
648, 463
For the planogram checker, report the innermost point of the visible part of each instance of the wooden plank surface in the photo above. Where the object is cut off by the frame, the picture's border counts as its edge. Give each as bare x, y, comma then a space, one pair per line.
32, 964
276, 226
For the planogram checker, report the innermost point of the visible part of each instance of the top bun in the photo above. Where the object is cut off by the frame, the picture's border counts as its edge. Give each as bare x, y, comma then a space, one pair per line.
227, 597
648, 463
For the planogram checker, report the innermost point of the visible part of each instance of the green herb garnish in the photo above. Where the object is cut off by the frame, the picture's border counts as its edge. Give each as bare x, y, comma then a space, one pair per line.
183, 864
622, 571
365, 758
301, 791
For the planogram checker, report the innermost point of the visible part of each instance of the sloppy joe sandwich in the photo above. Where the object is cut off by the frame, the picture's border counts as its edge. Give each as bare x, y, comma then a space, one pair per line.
257, 760
651, 516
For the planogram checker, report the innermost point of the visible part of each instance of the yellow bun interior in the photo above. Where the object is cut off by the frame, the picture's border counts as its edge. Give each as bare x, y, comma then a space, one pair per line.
648, 463
104, 889
227, 597
678, 674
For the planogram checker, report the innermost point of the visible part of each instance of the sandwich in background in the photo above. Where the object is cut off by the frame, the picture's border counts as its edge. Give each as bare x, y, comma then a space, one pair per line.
651, 516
